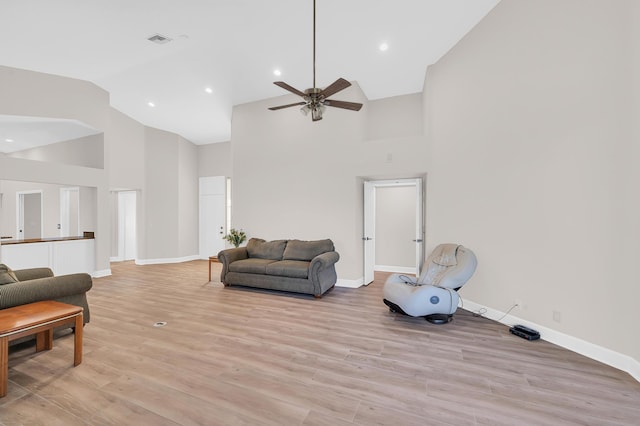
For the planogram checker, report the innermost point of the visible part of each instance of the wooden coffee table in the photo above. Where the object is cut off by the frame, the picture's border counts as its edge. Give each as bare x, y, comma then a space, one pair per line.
38, 318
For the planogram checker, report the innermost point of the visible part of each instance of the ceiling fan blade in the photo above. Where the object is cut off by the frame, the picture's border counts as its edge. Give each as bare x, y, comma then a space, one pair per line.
285, 86
353, 106
335, 87
287, 106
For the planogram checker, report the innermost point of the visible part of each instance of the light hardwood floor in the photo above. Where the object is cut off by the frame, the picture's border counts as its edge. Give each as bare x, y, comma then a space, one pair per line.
235, 356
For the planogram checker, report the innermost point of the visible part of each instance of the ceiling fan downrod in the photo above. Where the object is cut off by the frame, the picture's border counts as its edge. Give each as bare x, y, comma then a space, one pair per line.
314, 45
315, 99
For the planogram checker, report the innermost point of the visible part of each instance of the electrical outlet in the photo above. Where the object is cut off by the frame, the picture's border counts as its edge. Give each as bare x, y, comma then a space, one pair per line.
556, 316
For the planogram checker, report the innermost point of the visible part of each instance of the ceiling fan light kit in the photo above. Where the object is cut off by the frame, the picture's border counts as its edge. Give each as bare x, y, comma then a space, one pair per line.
316, 99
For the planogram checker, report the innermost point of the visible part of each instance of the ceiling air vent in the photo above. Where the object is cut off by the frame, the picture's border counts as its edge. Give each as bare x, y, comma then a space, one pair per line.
159, 39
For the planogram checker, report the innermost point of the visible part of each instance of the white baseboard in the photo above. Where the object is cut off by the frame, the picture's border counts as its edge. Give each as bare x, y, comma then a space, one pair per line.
116, 259
399, 269
101, 273
167, 260
350, 283
606, 356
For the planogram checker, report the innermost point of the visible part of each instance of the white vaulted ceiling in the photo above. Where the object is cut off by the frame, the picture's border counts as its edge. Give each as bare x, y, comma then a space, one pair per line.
230, 46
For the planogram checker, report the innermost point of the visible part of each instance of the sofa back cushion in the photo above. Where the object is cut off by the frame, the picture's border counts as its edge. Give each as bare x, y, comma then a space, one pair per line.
306, 250
6, 275
261, 249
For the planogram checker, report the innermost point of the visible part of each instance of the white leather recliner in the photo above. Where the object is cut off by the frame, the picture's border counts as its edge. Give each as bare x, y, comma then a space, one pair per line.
434, 294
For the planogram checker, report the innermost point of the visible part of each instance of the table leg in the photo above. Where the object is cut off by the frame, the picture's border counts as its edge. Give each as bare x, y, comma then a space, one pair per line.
44, 340
210, 262
77, 340
4, 365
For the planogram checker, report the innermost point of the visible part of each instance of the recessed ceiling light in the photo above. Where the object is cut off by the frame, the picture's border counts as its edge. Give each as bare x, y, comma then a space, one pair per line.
151, 104
8, 140
277, 73
383, 47
208, 90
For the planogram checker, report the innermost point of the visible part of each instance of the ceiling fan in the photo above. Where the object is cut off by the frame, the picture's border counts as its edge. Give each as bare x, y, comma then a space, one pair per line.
315, 99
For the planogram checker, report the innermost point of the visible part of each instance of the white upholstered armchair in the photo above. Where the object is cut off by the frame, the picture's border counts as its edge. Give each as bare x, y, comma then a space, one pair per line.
434, 294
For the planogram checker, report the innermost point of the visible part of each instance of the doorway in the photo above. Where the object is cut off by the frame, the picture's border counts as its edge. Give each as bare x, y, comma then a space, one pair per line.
29, 215
69, 212
397, 202
213, 214
127, 229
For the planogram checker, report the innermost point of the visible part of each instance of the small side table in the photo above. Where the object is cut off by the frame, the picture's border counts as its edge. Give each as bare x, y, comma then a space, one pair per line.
212, 259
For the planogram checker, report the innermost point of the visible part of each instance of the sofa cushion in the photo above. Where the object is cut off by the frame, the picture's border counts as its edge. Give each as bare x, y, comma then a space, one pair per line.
306, 250
250, 266
6, 275
289, 268
261, 249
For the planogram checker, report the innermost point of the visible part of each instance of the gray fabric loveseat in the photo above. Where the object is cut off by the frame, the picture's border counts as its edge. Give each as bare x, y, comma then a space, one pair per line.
289, 265
33, 285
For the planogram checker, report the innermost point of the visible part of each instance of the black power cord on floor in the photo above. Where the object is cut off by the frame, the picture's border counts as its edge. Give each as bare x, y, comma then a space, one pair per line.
482, 311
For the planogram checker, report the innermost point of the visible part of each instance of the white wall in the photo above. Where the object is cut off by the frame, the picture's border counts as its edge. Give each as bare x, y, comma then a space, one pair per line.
87, 151
125, 155
36, 94
188, 199
530, 120
395, 117
162, 183
113, 220
293, 178
170, 198
59, 97
88, 201
127, 151
214, 159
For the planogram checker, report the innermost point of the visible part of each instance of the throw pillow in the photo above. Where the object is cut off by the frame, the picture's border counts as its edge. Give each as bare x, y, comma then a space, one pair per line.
306, 250
6, 275
261, 249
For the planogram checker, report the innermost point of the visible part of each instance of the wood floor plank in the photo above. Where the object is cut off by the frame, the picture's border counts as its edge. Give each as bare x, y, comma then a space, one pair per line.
322, 419
34, 410
238, 356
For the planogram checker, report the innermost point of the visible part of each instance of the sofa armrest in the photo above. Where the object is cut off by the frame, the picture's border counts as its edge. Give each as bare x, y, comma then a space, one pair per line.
231, 255
49, 288
322, 272
324, 260
228, 256
33, 273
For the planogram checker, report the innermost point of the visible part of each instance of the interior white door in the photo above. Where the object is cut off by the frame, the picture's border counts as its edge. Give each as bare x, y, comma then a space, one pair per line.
127, 227
212, 213
69, 212
369, 232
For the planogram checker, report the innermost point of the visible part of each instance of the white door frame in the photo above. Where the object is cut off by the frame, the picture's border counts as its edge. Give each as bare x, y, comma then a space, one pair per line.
20, 212
370, 222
